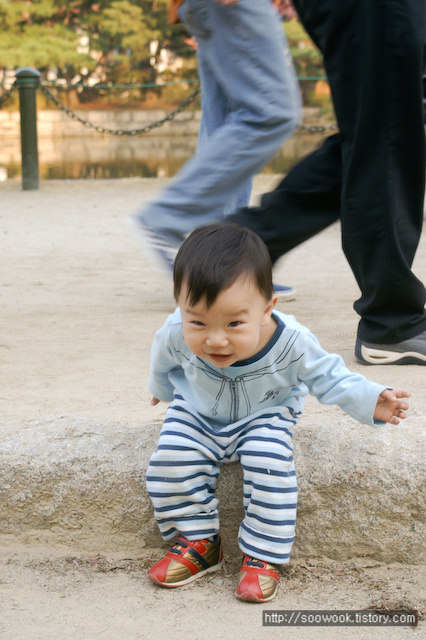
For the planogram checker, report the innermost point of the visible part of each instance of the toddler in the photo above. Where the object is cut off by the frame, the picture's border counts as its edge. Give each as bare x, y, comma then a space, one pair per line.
236, 373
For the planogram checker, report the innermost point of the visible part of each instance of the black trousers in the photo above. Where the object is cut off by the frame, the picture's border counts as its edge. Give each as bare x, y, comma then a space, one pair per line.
371, 175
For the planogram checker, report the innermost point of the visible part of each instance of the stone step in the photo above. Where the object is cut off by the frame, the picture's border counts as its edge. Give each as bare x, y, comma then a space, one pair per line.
67, 481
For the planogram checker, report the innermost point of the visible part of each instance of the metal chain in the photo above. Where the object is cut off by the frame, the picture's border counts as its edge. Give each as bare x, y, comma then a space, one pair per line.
317, 128
119, 132
153, 125
147, 85
7, 94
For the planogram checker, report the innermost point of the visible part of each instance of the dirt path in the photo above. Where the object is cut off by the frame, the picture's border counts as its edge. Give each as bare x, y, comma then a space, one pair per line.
51, 596
80, 307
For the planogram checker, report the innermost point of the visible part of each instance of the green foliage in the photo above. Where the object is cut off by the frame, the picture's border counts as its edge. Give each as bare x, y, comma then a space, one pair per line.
42, 47
115, 42
308, 63
43, 34
306, 57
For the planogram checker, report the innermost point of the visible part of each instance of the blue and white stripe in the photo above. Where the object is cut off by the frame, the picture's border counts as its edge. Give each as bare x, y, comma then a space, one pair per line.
182, 475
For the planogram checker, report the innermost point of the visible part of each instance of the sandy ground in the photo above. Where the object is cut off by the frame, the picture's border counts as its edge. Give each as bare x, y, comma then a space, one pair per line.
80, 305
77, 597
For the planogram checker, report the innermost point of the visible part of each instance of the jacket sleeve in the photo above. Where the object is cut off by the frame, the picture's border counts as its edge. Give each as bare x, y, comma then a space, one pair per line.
163, 361
331, 382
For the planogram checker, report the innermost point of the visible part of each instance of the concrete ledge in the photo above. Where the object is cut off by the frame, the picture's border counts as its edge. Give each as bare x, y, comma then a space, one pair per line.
66, 481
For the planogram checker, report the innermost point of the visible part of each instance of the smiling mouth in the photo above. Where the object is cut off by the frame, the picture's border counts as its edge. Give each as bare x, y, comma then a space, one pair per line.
220, 357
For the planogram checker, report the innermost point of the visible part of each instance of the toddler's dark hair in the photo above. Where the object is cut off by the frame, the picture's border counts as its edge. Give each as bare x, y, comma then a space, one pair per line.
214, 256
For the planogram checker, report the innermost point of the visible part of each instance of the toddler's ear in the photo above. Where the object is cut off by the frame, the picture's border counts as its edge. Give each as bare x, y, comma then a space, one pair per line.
269, 309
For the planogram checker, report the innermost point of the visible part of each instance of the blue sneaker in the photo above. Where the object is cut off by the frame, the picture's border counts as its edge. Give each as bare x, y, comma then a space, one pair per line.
284, 293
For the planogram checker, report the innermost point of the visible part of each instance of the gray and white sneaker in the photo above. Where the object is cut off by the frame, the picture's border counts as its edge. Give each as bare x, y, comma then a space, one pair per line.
412, 351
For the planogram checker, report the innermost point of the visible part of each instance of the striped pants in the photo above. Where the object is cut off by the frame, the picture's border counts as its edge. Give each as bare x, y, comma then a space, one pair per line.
182, 474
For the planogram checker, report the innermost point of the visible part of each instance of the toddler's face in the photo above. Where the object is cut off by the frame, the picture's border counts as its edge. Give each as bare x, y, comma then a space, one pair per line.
236, 327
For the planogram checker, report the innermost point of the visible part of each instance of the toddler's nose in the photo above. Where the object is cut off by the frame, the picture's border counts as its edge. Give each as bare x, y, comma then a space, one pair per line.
217, 339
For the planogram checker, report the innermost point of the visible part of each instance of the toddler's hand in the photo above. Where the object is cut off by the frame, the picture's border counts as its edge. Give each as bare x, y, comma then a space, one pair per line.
389, 407
154, 401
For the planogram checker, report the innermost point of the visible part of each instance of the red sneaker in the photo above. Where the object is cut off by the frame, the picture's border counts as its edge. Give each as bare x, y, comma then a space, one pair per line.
258, 580
186, 561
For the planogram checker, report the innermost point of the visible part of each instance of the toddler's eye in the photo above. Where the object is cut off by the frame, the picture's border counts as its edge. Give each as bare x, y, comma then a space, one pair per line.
236, 323
197, 323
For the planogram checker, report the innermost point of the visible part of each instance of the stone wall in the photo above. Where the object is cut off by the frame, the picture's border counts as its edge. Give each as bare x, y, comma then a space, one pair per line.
55, 123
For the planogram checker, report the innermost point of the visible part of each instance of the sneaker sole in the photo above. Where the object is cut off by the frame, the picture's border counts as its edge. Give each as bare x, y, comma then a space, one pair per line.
249, 597
369, 355
215, 567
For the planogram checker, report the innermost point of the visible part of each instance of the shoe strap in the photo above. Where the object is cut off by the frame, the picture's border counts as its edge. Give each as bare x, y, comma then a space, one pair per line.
254, 565
181, 542
185, 561
187, 547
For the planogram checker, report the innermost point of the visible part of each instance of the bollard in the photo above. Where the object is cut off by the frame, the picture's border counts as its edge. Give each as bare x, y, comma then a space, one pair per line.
27, 81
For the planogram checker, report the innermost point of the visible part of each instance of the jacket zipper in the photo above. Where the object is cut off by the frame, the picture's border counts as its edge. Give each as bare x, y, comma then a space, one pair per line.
234, 401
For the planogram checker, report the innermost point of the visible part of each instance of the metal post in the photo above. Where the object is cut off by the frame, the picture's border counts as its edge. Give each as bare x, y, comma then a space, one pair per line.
27, 81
